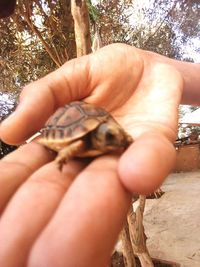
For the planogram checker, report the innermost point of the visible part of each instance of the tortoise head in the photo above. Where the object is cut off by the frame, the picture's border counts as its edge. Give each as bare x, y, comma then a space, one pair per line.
109, 136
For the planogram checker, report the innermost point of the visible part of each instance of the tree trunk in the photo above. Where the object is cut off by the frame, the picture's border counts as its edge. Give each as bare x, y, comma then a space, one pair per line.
81, 27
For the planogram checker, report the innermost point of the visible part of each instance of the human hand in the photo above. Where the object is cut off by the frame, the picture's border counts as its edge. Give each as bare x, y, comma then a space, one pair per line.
141, 94
144, 97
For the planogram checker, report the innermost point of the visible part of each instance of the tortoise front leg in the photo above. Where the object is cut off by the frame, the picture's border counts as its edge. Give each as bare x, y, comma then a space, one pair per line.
69, 152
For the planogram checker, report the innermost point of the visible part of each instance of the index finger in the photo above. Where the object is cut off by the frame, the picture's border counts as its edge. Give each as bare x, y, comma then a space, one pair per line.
41, 98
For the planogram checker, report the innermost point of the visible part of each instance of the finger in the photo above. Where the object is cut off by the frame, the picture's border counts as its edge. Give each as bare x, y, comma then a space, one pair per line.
41, 98
84, 229
30, 210
146, 163
17, 166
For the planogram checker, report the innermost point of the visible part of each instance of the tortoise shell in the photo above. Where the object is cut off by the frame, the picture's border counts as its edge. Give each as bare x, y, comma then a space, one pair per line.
80, 121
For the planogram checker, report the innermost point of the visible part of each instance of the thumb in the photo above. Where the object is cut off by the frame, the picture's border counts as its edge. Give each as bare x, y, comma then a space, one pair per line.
146, 163
41, 98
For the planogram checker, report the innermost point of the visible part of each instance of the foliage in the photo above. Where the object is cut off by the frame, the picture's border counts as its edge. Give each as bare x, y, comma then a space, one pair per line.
162, 26
38, 38
113, 20
93, 12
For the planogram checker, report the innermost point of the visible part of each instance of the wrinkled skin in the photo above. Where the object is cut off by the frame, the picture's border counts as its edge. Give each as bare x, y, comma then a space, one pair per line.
73, 218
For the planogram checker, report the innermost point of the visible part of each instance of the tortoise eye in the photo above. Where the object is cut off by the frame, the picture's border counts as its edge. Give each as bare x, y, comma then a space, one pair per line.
106, 135
110, 137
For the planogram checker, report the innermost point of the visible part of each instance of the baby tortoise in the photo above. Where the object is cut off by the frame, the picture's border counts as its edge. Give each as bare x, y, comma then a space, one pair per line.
80, 129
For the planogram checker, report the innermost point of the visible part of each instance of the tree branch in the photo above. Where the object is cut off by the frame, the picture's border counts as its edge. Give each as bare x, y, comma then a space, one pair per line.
27, 17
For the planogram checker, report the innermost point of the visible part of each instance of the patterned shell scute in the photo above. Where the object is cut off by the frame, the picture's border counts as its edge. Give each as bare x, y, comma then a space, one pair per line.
74, 121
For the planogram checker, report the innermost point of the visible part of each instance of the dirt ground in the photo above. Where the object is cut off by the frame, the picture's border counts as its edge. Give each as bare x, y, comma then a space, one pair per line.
172, 223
